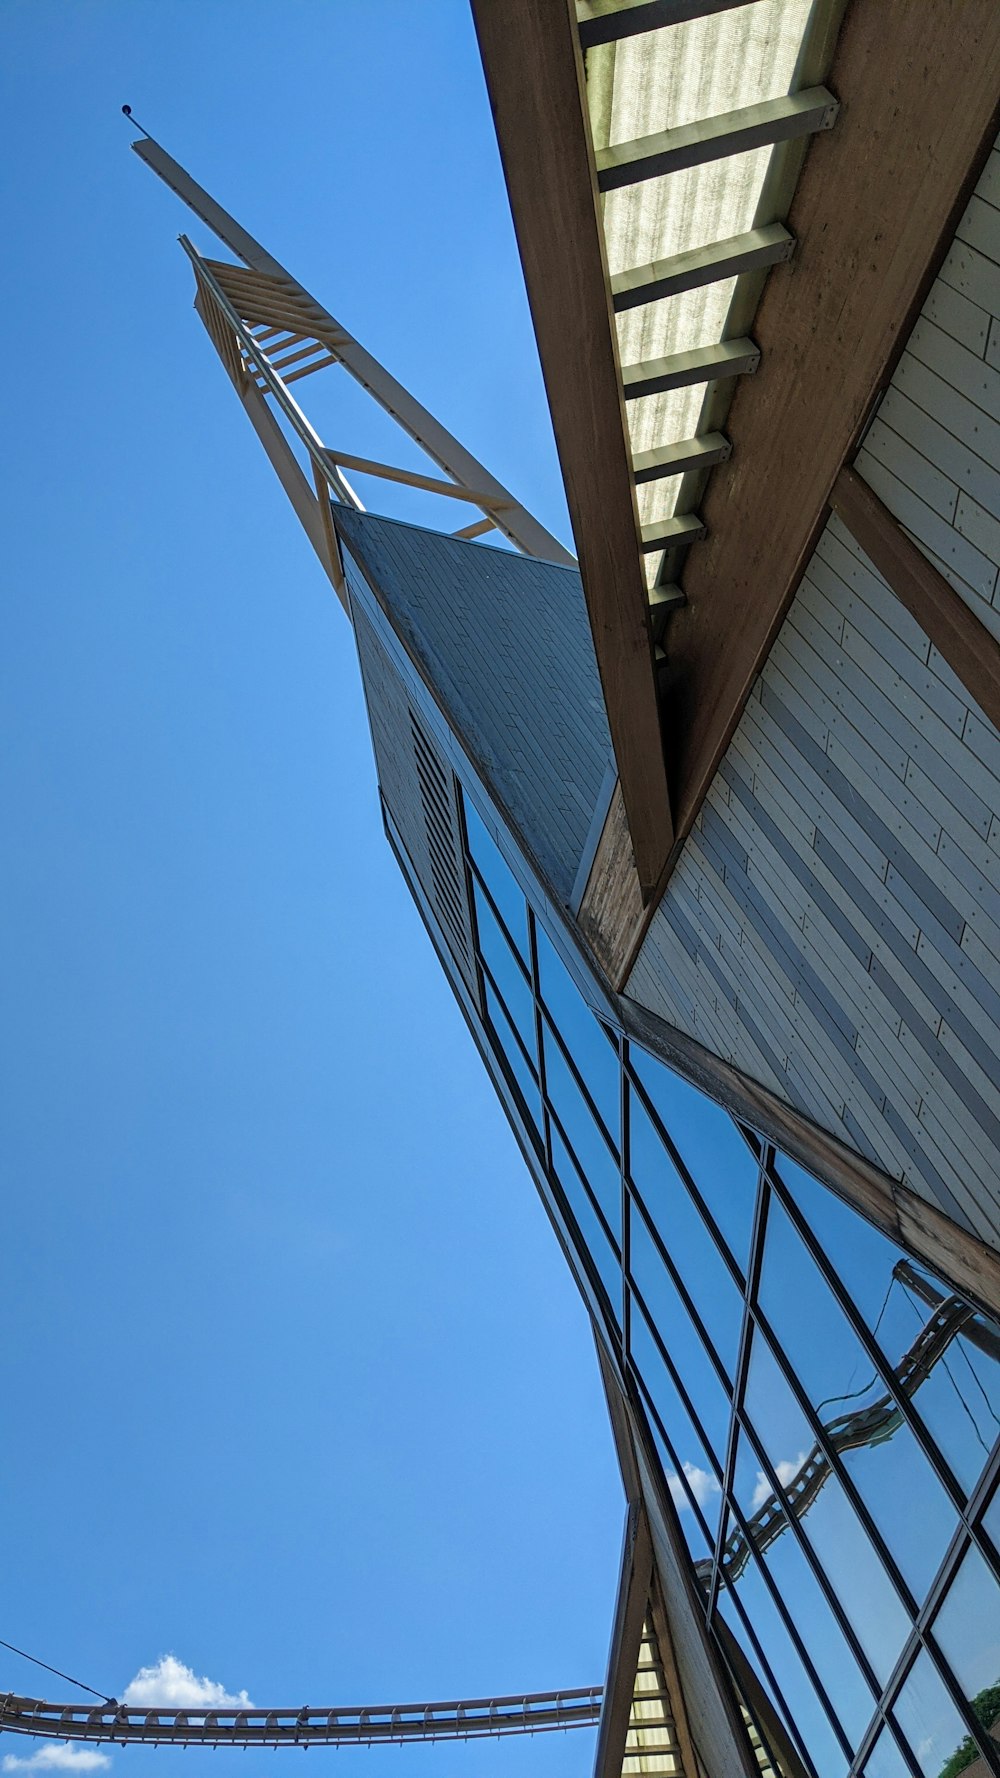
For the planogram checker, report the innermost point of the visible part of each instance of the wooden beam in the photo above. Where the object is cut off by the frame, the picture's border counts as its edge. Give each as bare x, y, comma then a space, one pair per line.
631, 1606
953, 627
918, 1226
874, 211
534, 74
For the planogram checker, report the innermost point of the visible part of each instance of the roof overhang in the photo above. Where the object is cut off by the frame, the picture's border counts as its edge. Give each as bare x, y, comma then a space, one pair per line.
675, 235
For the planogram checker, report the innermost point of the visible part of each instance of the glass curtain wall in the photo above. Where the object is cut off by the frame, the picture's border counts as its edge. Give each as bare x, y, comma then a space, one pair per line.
826, 1411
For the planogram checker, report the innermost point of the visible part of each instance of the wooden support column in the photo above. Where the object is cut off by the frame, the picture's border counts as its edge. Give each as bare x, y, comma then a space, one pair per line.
535, 78
953, 627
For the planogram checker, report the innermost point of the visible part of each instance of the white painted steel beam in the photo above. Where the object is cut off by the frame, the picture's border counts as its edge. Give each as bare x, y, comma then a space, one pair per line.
677, 459
750, 252
683, 528
652, 376
608, 21
715, 138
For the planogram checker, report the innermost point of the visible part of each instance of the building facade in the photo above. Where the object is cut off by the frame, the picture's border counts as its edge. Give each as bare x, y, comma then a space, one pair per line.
705, 830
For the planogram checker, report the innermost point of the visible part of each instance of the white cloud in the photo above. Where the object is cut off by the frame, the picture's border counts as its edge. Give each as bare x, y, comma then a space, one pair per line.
169, 1685
702, 1486
785, 1472
57, 1756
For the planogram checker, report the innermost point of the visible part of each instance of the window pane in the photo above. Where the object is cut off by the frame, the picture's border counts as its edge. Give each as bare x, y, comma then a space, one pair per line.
588, 1222
885, 1759
850, 1560
861, 1418
506, 973
703, 1492
807, 1712
675, 1328
584, 1036
507, 1042
774, 1541
685, 1235
967, 1631
930, 1722
585, 1138
958, 1395
733, 1623
497, 876
711, 1147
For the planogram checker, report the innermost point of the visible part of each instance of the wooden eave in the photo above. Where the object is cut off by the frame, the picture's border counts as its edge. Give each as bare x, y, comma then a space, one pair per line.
873, 212
534, 73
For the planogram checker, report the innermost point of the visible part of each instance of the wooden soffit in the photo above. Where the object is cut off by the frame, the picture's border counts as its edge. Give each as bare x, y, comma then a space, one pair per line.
873, 212
533, 67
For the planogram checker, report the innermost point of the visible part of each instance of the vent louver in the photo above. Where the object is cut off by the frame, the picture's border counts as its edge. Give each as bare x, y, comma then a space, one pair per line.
442, 839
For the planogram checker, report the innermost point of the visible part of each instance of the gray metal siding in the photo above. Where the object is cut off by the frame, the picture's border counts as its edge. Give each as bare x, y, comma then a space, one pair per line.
933, 451
833, 927
503, 644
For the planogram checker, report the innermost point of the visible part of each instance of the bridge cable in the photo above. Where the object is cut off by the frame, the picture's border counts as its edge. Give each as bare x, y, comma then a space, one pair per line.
58, 1673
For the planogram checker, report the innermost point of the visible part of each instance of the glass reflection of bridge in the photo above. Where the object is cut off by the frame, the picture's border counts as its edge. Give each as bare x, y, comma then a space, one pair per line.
865, 1426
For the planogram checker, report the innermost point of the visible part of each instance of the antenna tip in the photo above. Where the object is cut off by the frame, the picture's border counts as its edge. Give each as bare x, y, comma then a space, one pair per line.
127, 109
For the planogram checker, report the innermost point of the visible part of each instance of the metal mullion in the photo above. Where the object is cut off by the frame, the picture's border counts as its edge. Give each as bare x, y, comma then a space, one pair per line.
833, 1458
519, 1040
679, 1385
825, 1584
790, 1721
581, 1173
687, 1180
883, 1723
651, 1409
625, 1117
757, 1234
682, 1291
578, 1077
498, 917
882, 1367
796, 1640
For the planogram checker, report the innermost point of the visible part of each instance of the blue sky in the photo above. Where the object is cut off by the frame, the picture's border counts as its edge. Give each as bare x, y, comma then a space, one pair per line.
297, 1385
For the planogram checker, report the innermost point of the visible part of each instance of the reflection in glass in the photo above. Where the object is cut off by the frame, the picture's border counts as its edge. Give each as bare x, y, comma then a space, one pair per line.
885, 1759
511, 1049
711, 1147
808, 1713
584, 1037
862, 1421
769, 1534
815, 1494
959, 1395
967, 1631
592, 1232
506, 972
731, 1628
585, 1138
700, 1490
679, 1335
685, 1236
496, 874
929, 1720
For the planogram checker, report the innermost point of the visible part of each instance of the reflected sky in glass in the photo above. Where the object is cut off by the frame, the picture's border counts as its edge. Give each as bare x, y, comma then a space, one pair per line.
959, 1400
605, 1258
506, 972
828, 1519
967, 1631
496, 874
928, 1717
585, 1138
685, 1235
584, 1036
711, 1147
511, 1049
702, 1474
862, 1422
678, 1333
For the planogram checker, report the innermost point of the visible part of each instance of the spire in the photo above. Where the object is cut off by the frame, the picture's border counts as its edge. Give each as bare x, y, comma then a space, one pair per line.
270, 332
